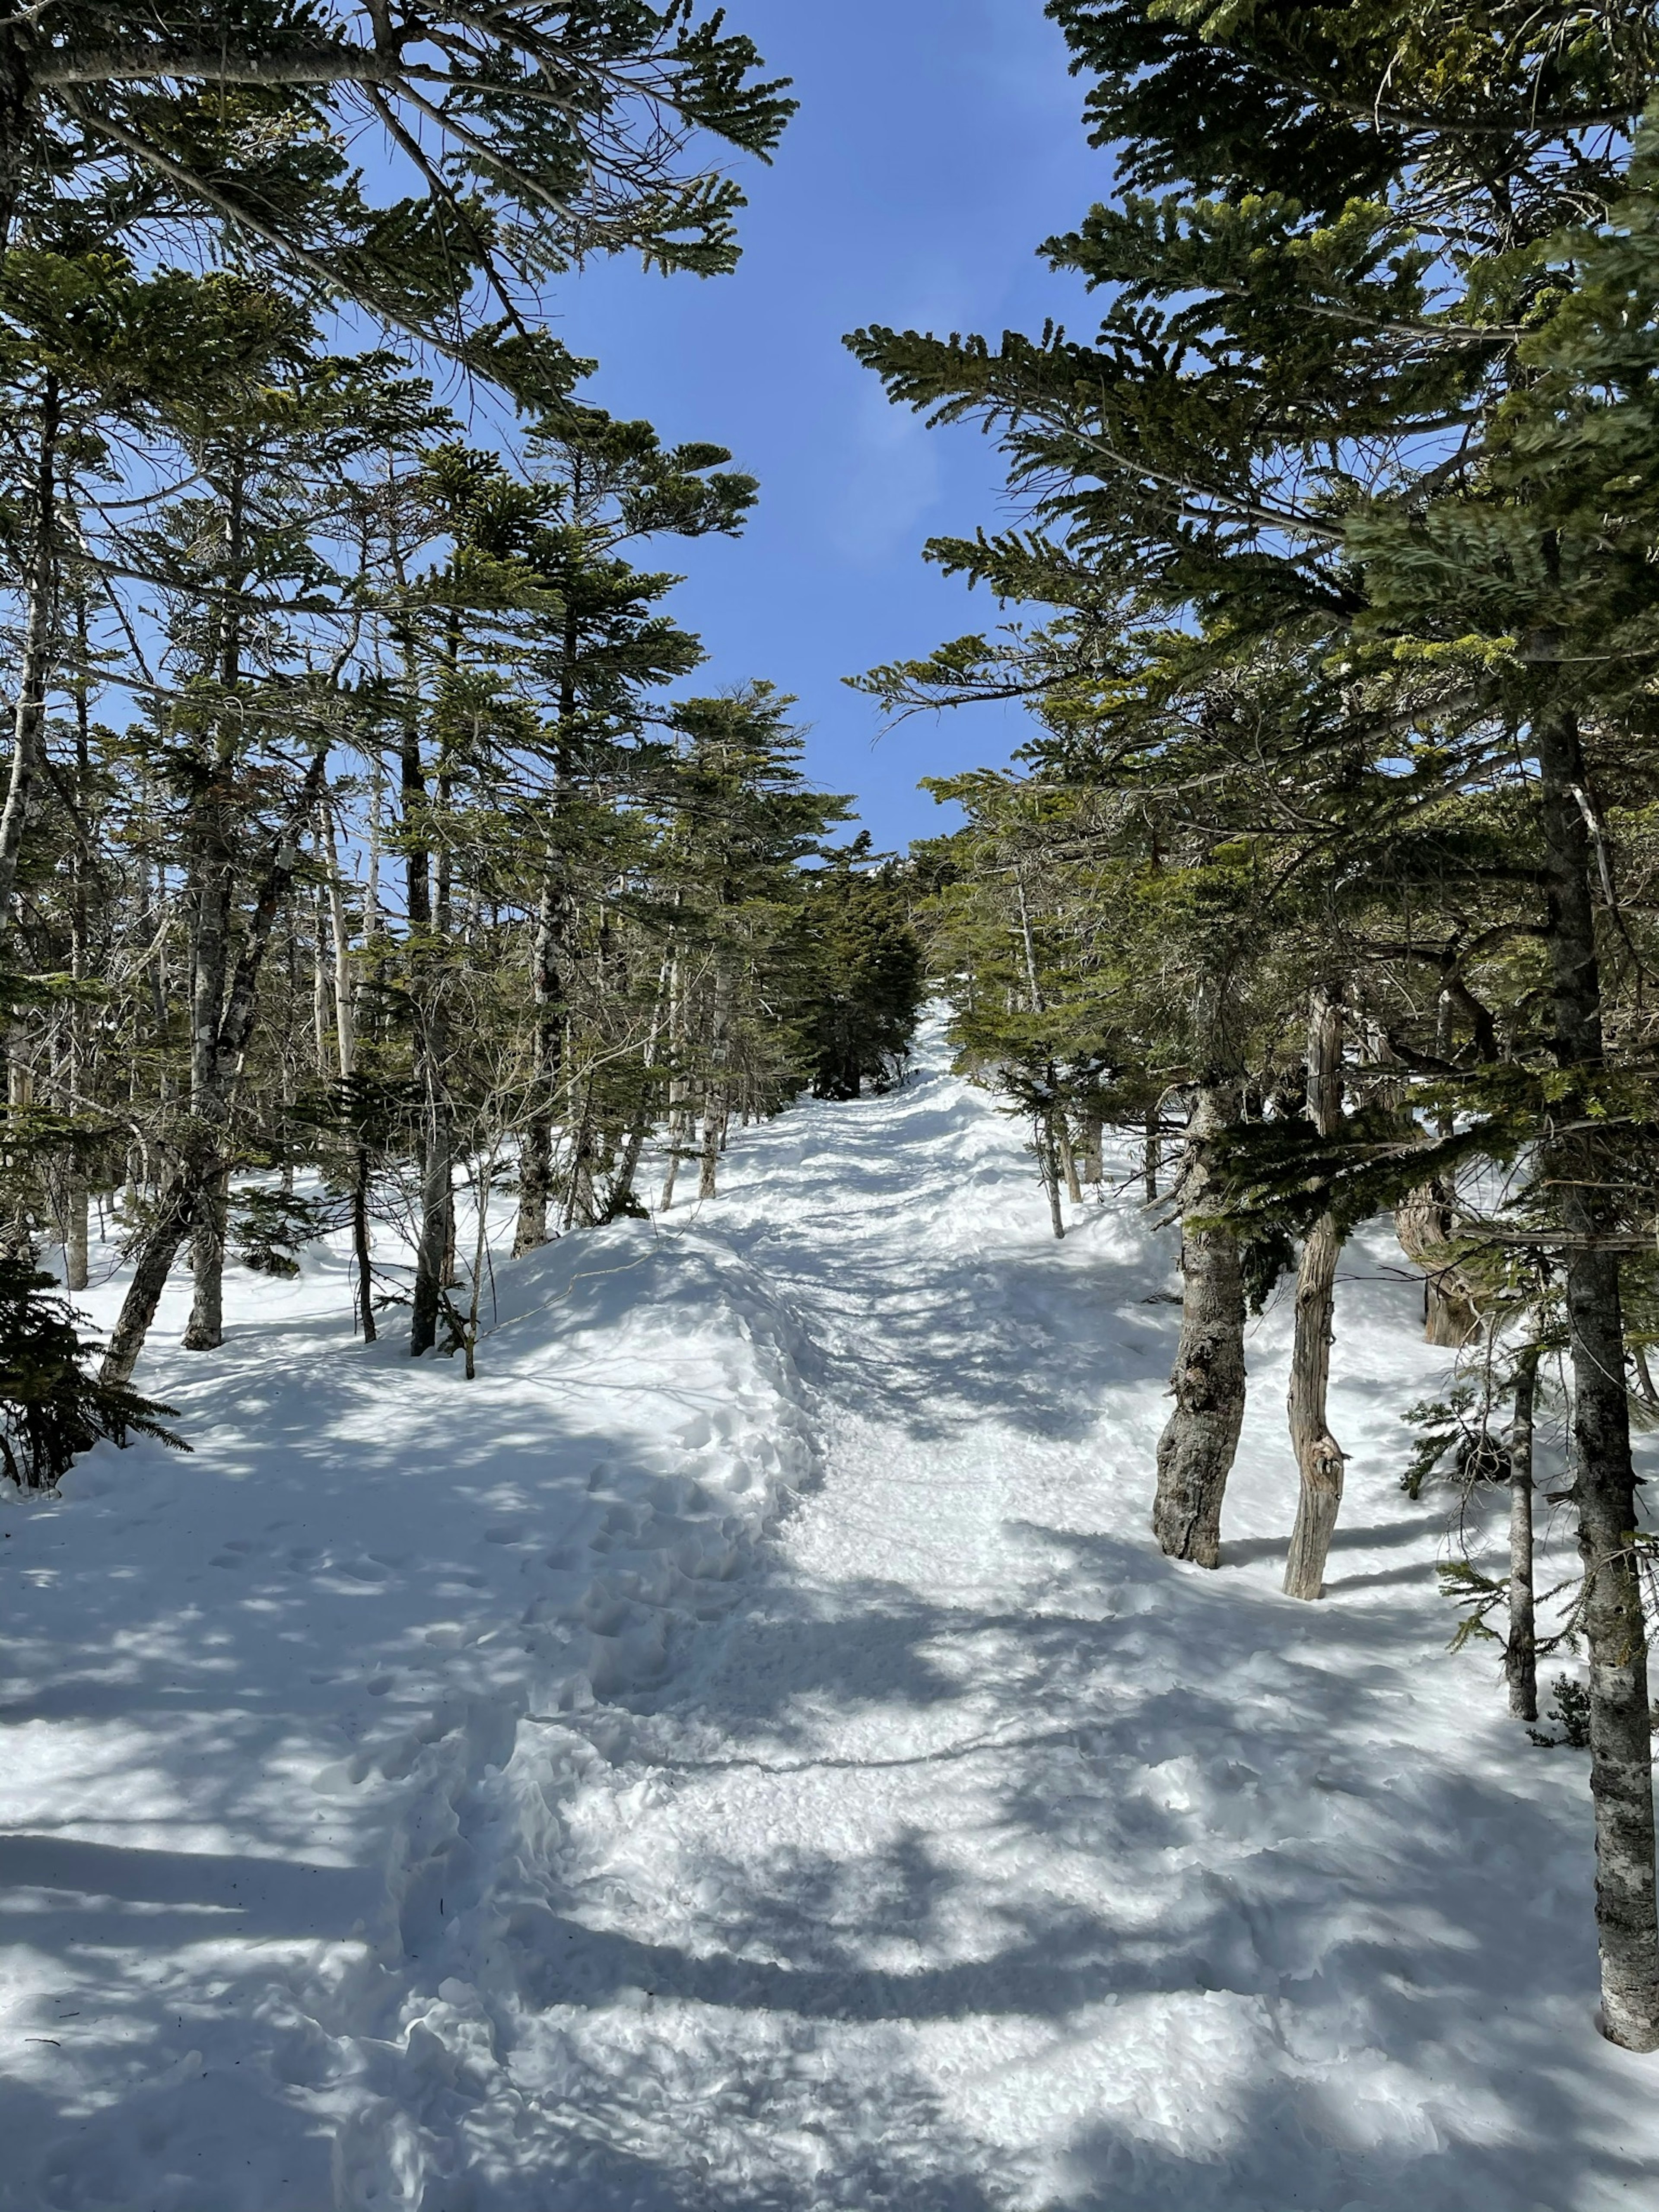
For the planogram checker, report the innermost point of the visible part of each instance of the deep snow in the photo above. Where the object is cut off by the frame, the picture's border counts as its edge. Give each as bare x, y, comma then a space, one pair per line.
743, 1751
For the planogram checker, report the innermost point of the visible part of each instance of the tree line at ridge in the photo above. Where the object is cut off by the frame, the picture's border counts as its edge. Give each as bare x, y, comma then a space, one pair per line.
1332, 850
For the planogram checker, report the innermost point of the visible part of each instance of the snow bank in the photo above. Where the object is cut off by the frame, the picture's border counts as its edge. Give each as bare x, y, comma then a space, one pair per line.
281, 1718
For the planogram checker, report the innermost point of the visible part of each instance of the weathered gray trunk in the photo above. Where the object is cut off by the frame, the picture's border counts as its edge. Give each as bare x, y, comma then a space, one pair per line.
1094, 1165
1603, 1486
206, 1328
1521, 1652
1047, 1152
156, 1256
1068, 1161
1151, 1156
1422, 1223
1318, 1455
76, 1205
1196, 1449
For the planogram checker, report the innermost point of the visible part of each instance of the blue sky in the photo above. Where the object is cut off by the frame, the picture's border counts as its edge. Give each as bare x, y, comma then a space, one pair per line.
938, 140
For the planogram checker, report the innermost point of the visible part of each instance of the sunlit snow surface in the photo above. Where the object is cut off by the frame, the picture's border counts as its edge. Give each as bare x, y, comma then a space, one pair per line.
743, 1751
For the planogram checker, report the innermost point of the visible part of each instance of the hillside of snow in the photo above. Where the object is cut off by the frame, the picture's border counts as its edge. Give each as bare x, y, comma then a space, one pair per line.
745, 1752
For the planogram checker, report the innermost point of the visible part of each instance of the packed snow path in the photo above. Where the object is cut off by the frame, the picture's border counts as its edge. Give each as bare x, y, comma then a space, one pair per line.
950, 1850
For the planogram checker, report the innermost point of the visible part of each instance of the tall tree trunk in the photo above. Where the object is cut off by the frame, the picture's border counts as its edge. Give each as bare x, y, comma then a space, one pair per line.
547, 1047
1318, 1455
677, 1090
1047, 1152
717, 1099
75, 1194
360, 1243
1521, 1652
1196, 1449
39, 630
1151, 1159
621, 1198
209, 961
345, 1009
437, 1229
432, 1237
214, 871
1603, 1486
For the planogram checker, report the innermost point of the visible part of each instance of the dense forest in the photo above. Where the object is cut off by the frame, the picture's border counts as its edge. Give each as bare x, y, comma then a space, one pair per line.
372, 866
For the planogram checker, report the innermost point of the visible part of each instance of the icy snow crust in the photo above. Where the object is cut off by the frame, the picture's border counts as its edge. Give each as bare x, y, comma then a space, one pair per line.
745, 1752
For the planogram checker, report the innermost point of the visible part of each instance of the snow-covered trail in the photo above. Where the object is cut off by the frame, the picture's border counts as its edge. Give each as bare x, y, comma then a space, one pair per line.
981, 1858
452, 1798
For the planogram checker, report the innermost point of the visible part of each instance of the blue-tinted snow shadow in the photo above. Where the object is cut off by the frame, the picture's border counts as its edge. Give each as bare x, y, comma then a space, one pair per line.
1348, 1889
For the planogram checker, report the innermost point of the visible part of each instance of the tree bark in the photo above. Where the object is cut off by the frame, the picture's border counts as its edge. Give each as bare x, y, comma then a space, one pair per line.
1068, 1160
1318, 1455
536, 1153
360, 1243
1422, 1222
716, 1100
1196, 1449
1521, 1652
677, 1129
155, 1258
39, 626
1603, 1486
1094, 1166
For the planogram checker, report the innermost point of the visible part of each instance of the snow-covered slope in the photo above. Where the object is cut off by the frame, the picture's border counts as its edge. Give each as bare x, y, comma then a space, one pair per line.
743, 1751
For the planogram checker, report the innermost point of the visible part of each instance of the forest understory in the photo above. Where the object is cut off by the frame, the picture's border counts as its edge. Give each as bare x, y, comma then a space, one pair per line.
745, 1749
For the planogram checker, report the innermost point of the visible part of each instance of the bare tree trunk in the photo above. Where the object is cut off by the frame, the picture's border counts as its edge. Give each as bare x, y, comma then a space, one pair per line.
536, 1152
155, 1258
1521, 1652
344, 999
1604, 1487
360, 1244
1318, 1455
677, 1130
76, 1239
1422, 1223
717, 1101
1047, 1152
1068, 1160
1151, 1155
206, 1331
1196, 1449
39, 625
432, 1251
714, 1125
621, 1198
1094, 1166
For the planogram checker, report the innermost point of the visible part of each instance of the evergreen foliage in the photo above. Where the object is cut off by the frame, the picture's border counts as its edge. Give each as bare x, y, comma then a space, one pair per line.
52, 1406
868, 979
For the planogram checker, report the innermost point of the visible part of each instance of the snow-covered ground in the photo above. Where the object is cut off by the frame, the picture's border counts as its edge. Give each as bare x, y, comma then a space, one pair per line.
745, 1752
